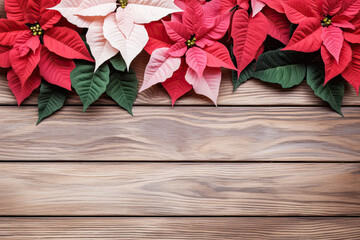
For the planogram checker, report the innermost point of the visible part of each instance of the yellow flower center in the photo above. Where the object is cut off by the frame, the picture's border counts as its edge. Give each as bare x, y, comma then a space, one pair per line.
326, 22
36, 29
123, 3
191, 42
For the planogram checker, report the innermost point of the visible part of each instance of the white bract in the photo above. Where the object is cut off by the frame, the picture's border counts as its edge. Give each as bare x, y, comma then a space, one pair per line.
115, 25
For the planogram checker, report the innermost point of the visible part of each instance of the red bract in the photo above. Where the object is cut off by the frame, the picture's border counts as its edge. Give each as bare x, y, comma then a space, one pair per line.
249, 31
33, 47
332, 26
186, 53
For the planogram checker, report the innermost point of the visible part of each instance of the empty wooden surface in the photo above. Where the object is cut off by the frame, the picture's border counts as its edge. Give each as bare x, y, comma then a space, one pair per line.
183, 133
178, 189
266, 164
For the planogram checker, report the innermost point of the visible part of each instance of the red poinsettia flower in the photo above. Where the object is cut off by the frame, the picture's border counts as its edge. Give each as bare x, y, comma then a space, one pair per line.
186, 53
250, 28
33, 47
332, 26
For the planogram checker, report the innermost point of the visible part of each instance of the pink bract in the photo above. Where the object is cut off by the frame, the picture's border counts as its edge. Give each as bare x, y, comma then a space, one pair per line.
190, 54
34, 44
332, 26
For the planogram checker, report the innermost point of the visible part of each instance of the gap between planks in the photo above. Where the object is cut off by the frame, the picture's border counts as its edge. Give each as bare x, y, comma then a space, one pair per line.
180, 228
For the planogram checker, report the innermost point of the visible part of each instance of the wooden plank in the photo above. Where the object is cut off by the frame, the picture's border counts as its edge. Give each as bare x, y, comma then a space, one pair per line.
183, 133
2, 9
178, 189
253, 92
180, 228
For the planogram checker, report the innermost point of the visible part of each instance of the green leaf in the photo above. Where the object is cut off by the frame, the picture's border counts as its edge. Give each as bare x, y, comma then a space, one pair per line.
89, 85
332, 92
118, 63
51, 99
245, 75
123, 88
286, 68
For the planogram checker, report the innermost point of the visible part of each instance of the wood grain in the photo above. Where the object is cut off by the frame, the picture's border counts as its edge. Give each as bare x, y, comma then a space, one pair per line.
180, 228
179, 189
2, 9
183, 133
212, 190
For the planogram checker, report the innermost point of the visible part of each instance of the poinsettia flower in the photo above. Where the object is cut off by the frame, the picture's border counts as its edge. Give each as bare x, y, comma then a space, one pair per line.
250, 29
115, 25
352, 71
34, 47
187, 54
330, 25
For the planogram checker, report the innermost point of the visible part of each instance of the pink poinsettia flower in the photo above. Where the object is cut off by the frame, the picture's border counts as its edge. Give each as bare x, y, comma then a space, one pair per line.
188, 55
332, 26
115, 25
352, 71
34, 45
250, 29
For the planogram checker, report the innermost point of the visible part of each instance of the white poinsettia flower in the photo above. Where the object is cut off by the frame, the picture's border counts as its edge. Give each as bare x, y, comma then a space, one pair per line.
115, 25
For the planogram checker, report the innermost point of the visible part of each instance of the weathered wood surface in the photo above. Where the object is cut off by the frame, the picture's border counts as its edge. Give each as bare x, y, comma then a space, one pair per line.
180, 228
212, 190
184, 133
179, 189
2, 9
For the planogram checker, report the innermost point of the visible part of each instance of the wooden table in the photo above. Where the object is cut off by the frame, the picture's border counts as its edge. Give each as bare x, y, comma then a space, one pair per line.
265, 164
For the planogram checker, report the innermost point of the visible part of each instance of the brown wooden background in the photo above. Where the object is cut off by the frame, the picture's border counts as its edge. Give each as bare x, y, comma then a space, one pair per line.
265, 164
